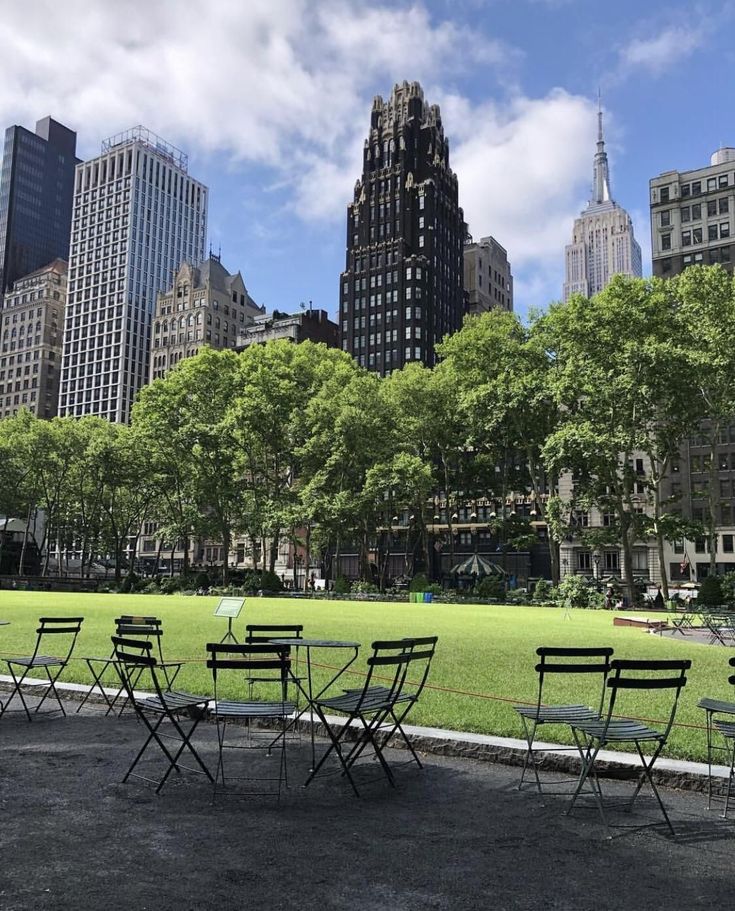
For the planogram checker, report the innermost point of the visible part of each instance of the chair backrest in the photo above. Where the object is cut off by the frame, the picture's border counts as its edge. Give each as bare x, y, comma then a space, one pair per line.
258, 632
132, 657
389, 667
132, 626
67, 628
572, 660
731, 678
422, 650
643, 674
261, 662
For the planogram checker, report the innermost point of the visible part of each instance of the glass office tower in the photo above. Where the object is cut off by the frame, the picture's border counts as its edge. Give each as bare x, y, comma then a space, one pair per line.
137, 216
36, 189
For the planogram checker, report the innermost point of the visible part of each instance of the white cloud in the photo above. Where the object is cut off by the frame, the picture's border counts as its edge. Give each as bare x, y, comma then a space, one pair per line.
287, 84
661, 51
524, 172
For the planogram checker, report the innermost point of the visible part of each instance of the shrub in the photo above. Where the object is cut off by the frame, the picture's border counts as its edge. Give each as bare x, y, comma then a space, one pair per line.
270, 582
419, 583
201, 580
576, 592
543, 592
341, 586
710, 591
364, 588
491, 587
727, 584
518, 596
129, 583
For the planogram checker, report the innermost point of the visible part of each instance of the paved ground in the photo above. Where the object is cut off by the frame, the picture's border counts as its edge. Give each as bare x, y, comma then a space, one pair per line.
455, 836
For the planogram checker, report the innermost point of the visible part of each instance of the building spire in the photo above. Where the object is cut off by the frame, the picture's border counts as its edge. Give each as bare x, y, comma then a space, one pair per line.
600, 169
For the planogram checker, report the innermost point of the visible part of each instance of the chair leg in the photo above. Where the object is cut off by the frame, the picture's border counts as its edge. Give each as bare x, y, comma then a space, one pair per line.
529, 758
588, 768
729, 782
17, 683
647, 776
335, 746
51, 689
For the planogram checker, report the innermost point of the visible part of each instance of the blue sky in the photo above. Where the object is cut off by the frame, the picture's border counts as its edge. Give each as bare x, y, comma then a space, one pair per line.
271, 99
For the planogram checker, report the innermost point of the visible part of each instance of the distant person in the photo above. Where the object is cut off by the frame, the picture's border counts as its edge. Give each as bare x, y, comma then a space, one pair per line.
658, 601
609, 599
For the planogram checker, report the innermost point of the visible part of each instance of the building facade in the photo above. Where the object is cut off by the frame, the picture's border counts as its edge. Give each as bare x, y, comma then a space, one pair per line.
488, 280
36, 190
309, 325
31, 329
401, 291
603, 243
692, 216
206, 305
137, 216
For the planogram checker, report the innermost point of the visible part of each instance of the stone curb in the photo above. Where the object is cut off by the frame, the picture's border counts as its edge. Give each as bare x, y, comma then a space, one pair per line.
670, 773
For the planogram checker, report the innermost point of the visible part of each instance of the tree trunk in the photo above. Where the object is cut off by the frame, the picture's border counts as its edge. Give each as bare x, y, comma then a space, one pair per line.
226, 549
307, 549
627, 532
273, 556
713, 499
21, 562
186, 555
158, 557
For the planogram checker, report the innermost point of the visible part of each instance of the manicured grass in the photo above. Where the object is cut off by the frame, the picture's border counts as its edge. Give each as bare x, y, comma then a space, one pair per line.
486, 650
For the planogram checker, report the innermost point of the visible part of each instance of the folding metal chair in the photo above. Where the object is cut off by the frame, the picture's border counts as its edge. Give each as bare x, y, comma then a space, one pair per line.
372, 706
557, 662
714, 708
265, 668
131, 627
182, 711
410, 692
613, 729
49, 629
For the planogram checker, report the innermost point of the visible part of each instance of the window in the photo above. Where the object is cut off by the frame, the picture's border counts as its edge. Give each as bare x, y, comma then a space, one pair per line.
711, 232
584, 560
665, 241
686, 238
696, 211
664, 194
612, 560
727, 544
724, 205
696, 188
722, 180
666, 218
696, 235
639, 559
725, 229
685, 189
712, 207
686, 213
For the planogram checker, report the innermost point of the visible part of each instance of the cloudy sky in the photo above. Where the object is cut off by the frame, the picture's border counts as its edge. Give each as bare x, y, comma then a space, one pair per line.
271, 99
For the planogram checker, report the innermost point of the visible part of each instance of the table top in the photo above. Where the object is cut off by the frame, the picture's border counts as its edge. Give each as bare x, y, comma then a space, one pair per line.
316, 643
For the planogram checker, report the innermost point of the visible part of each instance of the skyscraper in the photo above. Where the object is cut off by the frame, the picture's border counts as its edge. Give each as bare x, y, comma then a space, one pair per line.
692, 216
488, 280
602, 244
137, 216
36, 189
401, 290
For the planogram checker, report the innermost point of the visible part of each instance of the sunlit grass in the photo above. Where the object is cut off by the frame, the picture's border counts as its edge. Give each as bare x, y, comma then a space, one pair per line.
484, 651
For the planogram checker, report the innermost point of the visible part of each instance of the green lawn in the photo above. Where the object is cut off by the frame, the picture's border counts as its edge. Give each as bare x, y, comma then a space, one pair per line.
487, 650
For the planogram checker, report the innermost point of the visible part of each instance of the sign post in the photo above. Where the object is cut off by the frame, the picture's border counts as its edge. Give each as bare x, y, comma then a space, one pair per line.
230, 608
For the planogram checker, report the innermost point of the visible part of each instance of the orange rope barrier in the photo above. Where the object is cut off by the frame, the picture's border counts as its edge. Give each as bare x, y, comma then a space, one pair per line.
493, 697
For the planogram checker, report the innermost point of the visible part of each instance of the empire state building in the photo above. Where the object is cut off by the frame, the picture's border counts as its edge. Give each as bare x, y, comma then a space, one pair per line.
602, 244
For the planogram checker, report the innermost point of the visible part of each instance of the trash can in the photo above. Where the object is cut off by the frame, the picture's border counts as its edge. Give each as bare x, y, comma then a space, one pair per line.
428, 597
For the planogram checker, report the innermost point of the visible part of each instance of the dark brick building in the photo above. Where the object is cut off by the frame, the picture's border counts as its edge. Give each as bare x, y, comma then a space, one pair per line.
401, 291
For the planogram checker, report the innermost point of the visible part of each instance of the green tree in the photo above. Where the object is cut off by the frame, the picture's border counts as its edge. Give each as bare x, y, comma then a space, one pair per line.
619, 378
706, 300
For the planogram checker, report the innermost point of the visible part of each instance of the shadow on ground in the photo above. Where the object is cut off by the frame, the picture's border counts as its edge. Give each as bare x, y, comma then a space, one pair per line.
456, 835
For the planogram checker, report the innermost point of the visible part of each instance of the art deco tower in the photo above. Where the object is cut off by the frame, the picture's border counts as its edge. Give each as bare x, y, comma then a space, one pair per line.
602, 244
401, 291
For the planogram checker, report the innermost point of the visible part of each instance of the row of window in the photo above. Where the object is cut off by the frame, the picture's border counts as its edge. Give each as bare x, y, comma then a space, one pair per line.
696, 187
